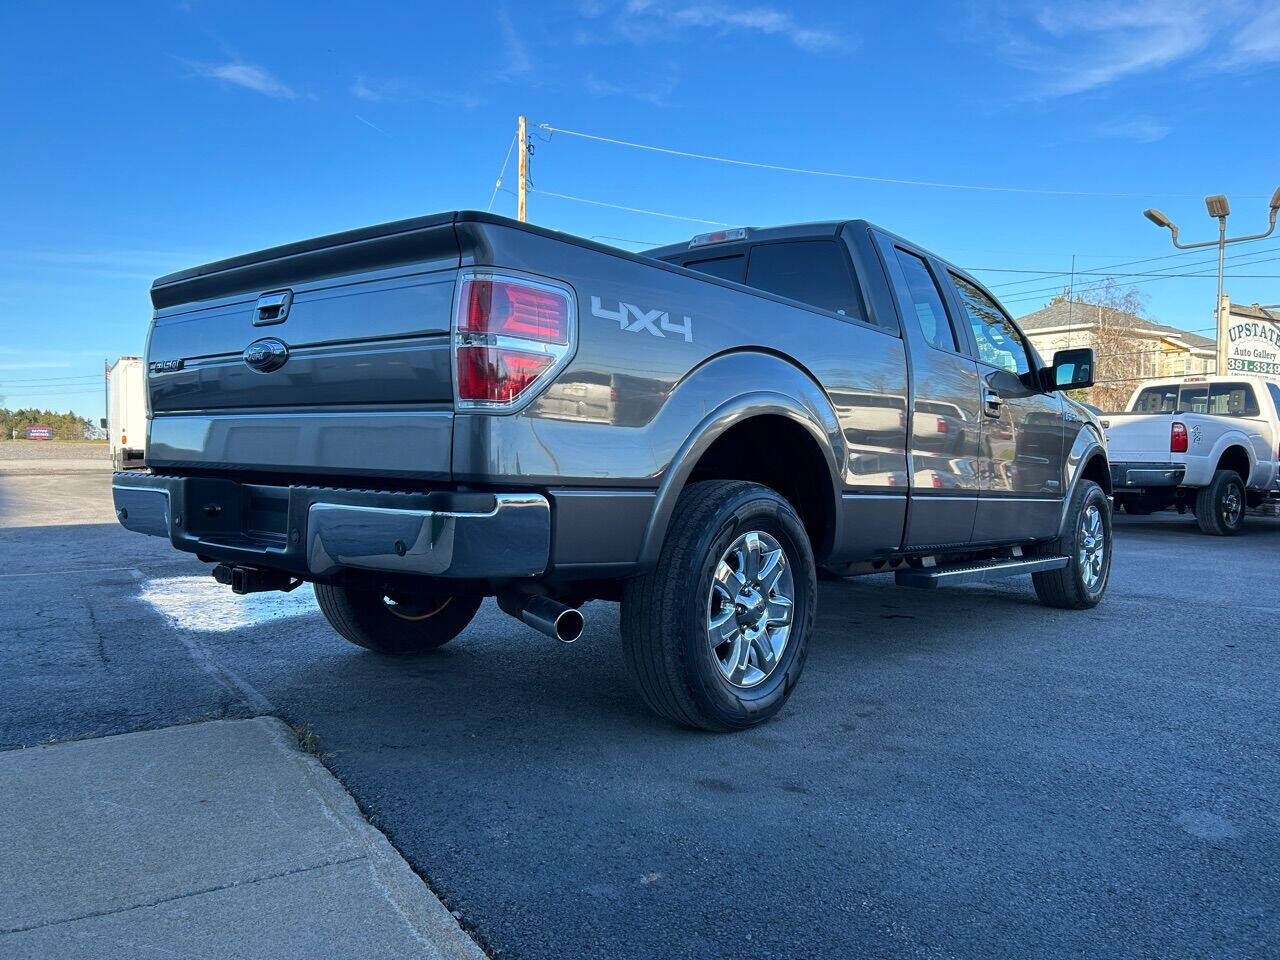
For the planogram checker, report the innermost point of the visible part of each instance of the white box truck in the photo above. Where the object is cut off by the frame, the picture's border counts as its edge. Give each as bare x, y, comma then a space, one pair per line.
126, 420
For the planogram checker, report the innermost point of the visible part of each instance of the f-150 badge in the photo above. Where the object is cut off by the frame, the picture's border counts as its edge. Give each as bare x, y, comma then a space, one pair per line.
632, 319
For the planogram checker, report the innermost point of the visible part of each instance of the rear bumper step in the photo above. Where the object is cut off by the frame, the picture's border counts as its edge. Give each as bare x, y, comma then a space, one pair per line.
318, 532
929, 577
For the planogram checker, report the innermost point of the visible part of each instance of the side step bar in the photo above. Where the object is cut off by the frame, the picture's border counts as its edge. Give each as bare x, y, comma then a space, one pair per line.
929, 577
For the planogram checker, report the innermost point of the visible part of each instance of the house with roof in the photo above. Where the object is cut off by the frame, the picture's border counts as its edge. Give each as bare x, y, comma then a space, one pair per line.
1129, 347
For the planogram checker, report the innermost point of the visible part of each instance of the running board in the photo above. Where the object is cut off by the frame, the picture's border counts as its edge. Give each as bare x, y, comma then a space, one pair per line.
929, 577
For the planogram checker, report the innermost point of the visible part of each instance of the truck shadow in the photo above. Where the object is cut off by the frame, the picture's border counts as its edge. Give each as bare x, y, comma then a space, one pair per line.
1171, 524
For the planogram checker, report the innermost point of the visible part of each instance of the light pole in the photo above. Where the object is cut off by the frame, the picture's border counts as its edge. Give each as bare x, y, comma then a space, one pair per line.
1218, 207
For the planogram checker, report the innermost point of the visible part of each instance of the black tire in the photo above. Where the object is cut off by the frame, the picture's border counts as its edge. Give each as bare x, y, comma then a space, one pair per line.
665, 613
1069, 588
399, 624
1220, 506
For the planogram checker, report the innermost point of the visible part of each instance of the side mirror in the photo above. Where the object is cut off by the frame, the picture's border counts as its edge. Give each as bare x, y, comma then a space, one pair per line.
103, 423
1071, 370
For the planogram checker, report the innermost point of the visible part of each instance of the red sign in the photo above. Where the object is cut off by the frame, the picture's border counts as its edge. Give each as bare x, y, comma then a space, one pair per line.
39, 433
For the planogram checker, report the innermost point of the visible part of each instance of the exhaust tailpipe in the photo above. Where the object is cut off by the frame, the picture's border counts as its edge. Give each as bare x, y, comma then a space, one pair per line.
544, 614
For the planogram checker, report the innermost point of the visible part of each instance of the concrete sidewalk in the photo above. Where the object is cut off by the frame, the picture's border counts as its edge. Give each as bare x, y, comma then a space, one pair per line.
218, 839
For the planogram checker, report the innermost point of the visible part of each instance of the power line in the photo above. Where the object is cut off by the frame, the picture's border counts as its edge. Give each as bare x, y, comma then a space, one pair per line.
90, 376
617, 206
639, 243
864, 177
1130, 263
57, 393
1023, 296
1172, 276
502, 173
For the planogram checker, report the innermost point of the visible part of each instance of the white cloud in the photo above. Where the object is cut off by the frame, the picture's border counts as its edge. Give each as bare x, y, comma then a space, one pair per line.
646, 21
1258, 40
515, 54
1084, 46
655, 90
248, 76
1142, 129
1081, 47
406, 90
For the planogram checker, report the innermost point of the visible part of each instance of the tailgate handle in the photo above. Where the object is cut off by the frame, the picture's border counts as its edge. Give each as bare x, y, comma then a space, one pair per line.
273, 307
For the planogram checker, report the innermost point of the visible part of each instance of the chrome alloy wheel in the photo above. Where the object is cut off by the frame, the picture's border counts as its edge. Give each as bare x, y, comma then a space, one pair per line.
1093, 547
750, 608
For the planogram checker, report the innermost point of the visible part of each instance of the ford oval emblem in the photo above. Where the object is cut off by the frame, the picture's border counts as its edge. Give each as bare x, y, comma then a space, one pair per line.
266, 354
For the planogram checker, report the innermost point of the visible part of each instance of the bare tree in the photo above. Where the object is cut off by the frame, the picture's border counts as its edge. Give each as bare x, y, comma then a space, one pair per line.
1114, 313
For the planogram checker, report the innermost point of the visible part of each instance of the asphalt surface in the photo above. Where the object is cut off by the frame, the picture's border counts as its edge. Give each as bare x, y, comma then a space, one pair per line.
960, 773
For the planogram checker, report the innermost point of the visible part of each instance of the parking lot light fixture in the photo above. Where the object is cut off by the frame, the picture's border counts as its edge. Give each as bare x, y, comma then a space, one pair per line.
1220, 209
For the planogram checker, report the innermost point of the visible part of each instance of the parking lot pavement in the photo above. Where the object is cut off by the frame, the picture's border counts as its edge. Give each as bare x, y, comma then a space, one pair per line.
961, 772
217, 839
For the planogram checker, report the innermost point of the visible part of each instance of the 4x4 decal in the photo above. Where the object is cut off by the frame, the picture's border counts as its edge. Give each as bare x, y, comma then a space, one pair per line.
632, 319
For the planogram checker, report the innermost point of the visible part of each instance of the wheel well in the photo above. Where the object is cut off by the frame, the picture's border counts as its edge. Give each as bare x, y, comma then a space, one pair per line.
1097, 471
782, 455
1237, 459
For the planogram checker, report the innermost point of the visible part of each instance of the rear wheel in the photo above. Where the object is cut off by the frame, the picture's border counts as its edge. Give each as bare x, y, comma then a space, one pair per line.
1220, 505
716, 636
1087, 543
396, 623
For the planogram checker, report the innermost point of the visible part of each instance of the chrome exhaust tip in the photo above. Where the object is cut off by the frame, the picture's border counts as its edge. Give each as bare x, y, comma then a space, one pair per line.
545, 615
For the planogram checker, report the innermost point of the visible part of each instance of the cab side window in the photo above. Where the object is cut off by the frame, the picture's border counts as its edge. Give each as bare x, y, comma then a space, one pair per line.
815, 272
1275, 395
999, 342
926, 299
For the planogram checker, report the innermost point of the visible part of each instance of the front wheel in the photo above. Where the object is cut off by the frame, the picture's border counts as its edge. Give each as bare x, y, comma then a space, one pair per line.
1087, 544
1220, 505
716, 636
399, 623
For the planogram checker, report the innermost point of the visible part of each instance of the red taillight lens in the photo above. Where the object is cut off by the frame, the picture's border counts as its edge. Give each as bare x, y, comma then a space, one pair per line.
1178, 438
942, 425
508, 336
504, 308
497, 375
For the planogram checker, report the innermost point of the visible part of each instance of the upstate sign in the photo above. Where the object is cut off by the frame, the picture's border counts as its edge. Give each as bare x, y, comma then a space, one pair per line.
1253, 346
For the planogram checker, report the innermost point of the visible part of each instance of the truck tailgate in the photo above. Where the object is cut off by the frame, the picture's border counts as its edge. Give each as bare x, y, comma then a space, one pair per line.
1137, 437
349, 370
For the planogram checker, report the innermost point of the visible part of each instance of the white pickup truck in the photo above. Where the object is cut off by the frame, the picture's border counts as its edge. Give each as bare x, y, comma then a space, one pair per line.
1207, 443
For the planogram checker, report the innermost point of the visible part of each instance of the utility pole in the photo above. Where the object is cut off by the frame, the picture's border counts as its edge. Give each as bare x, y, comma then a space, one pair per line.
522, 188
1218, 208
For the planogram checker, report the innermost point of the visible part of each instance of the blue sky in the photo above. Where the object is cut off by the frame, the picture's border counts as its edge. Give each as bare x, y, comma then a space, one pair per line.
142, 138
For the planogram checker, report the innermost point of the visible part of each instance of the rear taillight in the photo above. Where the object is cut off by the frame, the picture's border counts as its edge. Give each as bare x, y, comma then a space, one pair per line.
509, 335
942, 425
1178, 437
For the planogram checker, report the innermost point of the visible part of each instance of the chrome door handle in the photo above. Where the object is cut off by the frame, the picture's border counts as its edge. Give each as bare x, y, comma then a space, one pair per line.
994, 402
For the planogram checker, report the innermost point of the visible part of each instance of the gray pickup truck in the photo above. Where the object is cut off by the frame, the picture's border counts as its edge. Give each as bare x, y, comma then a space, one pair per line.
415, 416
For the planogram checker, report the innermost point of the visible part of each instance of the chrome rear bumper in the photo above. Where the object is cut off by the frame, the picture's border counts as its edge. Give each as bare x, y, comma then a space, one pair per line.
321, 531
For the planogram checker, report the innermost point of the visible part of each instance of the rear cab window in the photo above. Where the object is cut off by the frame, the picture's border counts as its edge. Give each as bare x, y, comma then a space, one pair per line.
1161, 399
1232, 400
726, 268
1218, 399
